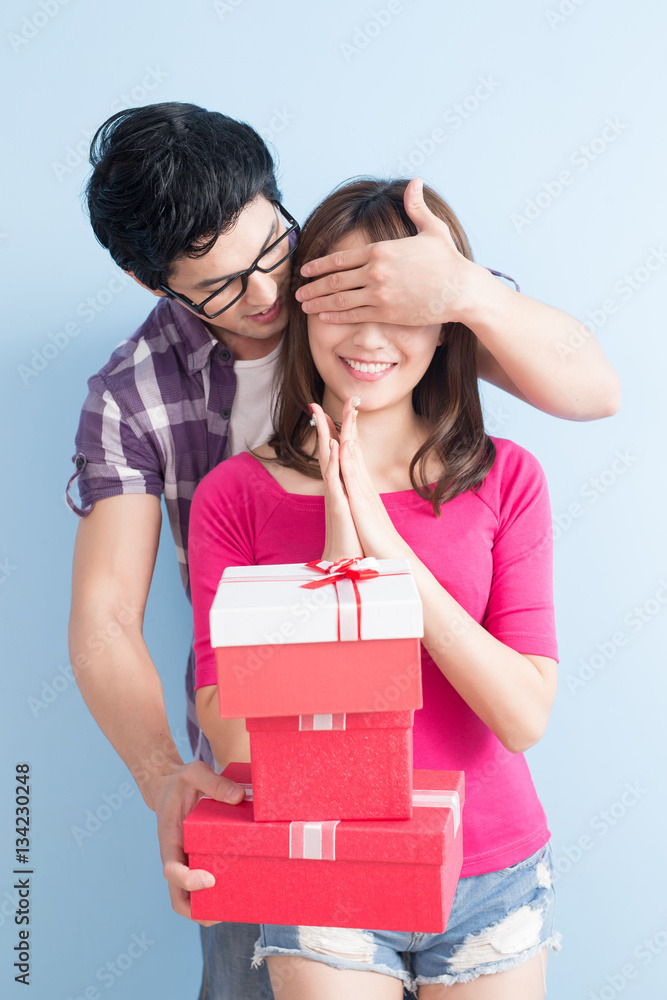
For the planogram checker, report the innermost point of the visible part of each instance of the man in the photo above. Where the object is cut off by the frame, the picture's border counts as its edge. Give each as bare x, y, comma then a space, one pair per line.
186, 201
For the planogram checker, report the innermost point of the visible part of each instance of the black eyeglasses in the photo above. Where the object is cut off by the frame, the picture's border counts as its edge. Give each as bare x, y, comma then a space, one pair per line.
232, 290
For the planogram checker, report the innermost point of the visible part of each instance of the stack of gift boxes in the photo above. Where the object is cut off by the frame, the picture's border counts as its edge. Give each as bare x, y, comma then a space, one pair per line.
336, 829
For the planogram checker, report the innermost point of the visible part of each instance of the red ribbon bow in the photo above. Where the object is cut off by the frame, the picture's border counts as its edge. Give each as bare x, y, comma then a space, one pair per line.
342, 570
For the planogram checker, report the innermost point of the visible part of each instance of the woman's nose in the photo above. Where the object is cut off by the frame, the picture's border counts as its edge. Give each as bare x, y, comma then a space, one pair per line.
372, 336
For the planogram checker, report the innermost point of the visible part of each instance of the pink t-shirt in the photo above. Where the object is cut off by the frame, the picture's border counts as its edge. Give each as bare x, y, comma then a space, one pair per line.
490, 550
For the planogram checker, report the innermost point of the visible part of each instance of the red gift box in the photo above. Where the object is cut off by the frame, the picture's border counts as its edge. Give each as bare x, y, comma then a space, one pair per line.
398, 875
356, 766
297, 639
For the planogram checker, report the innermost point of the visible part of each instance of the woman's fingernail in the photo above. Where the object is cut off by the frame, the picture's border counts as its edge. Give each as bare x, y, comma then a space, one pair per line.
330, 443
206, 882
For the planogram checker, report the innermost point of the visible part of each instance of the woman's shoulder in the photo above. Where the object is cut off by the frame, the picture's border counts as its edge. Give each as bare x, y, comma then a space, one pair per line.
232, 480
513, 456
516, 474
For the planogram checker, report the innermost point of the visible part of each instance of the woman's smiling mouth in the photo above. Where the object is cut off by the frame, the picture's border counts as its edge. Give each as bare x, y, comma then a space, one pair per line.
367, 371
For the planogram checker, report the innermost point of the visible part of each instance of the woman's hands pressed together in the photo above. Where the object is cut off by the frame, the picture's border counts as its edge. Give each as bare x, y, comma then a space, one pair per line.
357, 522
512, 693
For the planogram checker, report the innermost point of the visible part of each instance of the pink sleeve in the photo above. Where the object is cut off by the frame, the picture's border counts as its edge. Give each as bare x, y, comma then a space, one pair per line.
520, 609
220, 535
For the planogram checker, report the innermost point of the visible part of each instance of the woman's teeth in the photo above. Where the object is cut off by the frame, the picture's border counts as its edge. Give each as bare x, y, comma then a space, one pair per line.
372, 369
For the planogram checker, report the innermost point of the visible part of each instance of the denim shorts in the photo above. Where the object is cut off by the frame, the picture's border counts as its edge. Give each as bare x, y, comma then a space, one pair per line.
498, 920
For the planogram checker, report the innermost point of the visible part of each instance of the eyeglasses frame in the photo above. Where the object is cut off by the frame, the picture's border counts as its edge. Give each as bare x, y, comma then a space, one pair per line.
294, 227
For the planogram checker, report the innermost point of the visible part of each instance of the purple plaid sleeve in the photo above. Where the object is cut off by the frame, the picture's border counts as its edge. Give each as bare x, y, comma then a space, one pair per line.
110, 458
156, 418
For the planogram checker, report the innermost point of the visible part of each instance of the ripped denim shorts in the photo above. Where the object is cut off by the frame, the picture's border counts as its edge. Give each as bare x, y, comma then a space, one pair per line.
498, 920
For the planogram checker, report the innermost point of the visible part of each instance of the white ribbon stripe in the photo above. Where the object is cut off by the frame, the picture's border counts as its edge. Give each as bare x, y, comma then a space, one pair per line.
347, 610
438, 799
309, 723
313, 841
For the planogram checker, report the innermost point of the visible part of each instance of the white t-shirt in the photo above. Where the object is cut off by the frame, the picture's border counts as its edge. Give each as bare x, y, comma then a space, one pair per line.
250, 423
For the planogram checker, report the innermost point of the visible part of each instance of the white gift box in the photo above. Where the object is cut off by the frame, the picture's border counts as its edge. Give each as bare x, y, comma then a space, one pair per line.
314, 638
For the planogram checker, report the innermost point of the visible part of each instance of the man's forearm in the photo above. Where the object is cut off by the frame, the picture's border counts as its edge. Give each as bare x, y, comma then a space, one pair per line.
554, 361
122, 689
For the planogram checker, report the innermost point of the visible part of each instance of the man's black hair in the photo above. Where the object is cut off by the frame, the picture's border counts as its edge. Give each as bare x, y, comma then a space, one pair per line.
168, 179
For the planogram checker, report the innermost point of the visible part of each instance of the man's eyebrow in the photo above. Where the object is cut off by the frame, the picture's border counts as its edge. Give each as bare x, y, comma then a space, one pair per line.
209, 282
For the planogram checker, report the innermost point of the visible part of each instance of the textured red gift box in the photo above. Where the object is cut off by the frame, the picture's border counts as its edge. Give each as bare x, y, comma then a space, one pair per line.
312, 767
347, 646
372, 676
374, 874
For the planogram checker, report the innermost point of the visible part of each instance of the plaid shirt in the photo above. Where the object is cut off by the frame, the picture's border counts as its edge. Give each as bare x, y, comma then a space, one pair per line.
156, 420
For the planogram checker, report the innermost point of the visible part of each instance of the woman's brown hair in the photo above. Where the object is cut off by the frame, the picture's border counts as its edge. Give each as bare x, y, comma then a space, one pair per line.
446, 397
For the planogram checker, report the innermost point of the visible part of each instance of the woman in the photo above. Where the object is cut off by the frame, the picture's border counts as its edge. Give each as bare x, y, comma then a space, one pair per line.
380, 450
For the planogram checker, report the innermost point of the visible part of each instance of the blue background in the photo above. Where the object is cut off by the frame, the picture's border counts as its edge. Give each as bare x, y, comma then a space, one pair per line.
338, 99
